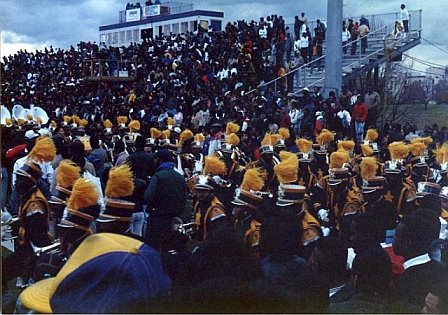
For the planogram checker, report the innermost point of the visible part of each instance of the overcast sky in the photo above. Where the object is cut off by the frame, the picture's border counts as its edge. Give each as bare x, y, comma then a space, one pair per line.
31, 24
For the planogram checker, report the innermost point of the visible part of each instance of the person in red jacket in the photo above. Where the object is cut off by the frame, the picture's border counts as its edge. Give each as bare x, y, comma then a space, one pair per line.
359, 114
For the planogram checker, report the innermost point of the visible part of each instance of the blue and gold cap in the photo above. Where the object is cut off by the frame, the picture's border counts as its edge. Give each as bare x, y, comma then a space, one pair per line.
106, 273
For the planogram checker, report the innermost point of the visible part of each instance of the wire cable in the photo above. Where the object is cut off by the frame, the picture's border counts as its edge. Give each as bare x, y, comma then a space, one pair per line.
427, 63
442, 49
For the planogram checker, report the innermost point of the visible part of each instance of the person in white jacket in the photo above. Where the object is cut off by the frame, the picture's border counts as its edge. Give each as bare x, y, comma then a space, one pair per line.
345, 38
295, 115
346, 119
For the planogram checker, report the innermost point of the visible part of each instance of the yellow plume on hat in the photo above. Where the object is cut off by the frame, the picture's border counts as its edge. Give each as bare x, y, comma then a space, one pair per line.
338, 158
199, 137
155, 133
253, 180
122, 120
83, 122
8, 121
43, 151
107, 123
233, 139
286, 170
304, 145
425, 140
53, 124
170, 121
285, 155
39, 120
120, 182
20, 121
275, 137
134, 125
366, 150
368, 167
232, 128
67, 118
266, 140
325, 137
284, 133
398, 150
418, 148
166, 134
441, 153
213, 166
84, 194
67, 174
371, 135
347, 145
185, 135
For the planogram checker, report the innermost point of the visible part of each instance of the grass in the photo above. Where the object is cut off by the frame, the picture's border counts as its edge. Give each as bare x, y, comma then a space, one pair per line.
416, 114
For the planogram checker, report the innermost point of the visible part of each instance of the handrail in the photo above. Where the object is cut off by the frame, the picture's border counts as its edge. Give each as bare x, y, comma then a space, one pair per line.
304, 66
380, 31
370, 17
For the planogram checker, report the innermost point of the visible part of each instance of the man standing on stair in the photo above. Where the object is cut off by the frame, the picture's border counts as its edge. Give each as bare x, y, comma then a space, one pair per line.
405, 18
363, 30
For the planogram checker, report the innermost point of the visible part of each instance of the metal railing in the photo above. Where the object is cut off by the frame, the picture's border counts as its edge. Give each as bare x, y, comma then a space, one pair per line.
381, 32
376, 21
109, 68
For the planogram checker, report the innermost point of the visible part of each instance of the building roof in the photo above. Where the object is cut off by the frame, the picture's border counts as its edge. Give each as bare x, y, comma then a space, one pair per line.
162, 18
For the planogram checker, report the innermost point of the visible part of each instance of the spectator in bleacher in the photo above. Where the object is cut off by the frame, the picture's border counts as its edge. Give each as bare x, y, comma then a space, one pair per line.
354, 37
345, 38
363, 31
359, 114
304, 47
404, 15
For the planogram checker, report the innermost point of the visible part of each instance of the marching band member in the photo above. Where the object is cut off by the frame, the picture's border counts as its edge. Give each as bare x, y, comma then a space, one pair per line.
209, 211
34, 212
400, 189
246, 216
66, 175
319, 165
116, 218
306, 176
417, 168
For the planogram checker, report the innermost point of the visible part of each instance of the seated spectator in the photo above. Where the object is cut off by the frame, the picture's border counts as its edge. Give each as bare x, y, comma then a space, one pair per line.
422, 276
280, 248
371, 276
329, 260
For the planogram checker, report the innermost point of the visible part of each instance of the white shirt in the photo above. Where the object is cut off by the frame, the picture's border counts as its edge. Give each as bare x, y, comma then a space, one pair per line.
304, 42
443, 231
345, 35
47, 170
297, 45
263, 32
344, 114
178, 117
419, 260
404, 14
295, 115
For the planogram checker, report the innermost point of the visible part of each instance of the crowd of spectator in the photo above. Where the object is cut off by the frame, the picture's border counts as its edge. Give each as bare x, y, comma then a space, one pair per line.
200, 79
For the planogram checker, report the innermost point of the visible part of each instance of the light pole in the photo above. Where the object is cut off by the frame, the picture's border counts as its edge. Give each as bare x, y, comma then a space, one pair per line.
333, 58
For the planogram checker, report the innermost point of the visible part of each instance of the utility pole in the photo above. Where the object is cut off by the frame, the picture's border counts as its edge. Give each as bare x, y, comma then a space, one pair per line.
333, 58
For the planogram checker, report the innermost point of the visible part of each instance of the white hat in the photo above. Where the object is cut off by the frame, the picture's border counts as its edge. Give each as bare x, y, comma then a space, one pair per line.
31, 134
177, 130
44, 132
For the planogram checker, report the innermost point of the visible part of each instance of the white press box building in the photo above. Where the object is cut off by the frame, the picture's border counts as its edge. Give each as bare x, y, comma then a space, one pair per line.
149, 21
